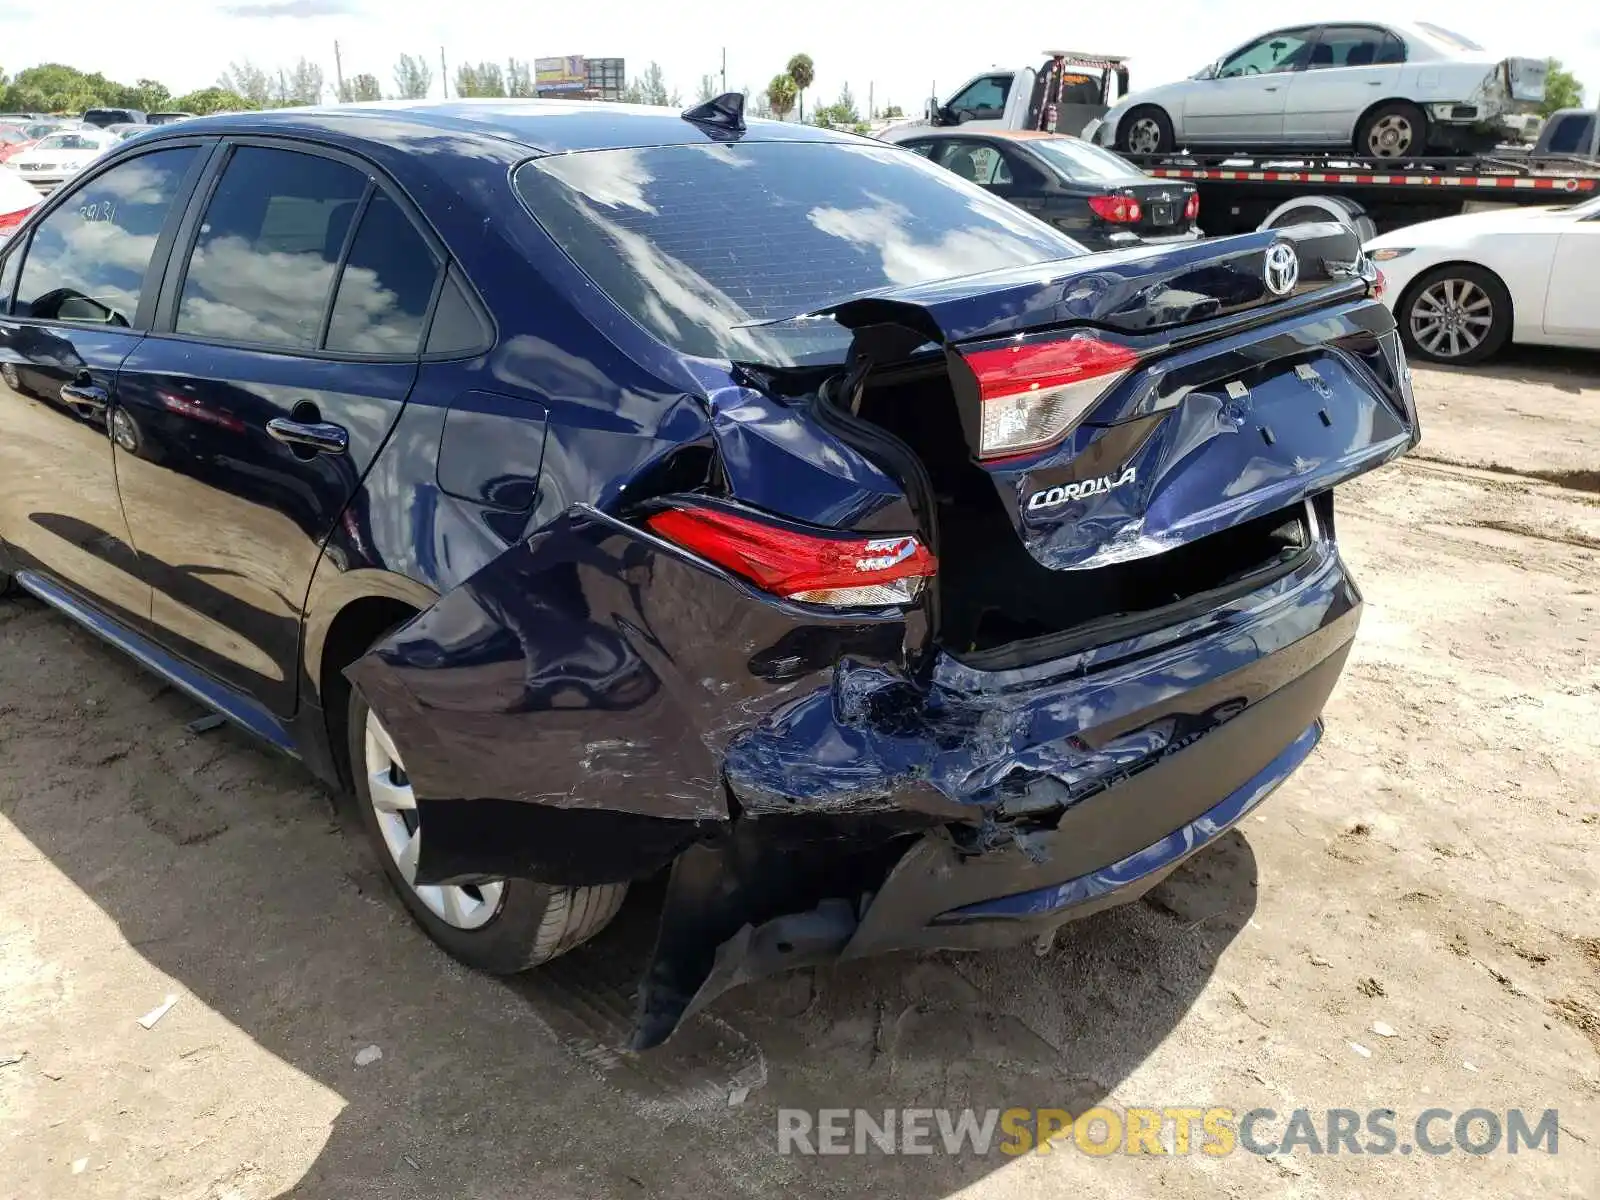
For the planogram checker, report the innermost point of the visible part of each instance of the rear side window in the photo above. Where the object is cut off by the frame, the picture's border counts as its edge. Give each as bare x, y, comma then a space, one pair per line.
263, 265
87, 260
387, 284
696, 243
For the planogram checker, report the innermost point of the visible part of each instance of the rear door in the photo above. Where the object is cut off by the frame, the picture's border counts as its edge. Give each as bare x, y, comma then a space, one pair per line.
85, 281
1244, 101
1350, 68
286, 341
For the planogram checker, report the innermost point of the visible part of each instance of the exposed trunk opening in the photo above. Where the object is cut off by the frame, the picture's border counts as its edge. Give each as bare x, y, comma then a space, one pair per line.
995, 598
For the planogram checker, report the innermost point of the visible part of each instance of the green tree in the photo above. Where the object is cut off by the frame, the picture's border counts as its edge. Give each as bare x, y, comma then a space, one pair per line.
841, 112
707, 89
480, 79
519, 78
651, 88
213, 100
360, 87
247, 80
302, 83
804, 73
413, 78
892, 110
149, 95
1562, 89
756, 102
781, 95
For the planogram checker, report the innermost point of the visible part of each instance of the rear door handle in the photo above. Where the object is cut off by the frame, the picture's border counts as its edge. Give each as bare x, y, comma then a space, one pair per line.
313, 435
1273, 88
86, 395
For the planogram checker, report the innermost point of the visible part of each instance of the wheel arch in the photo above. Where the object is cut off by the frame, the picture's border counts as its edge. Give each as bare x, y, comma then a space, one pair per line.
1361, 118
1134, 111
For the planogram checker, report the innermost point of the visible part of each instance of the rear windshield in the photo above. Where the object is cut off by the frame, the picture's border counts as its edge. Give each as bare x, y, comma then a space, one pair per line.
700, 244
1082, 162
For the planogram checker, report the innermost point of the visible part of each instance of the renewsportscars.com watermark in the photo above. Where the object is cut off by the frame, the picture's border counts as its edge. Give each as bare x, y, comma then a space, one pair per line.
1214, 1132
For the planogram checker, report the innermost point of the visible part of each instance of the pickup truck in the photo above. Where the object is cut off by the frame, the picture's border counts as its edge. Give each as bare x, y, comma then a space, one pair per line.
1063, 95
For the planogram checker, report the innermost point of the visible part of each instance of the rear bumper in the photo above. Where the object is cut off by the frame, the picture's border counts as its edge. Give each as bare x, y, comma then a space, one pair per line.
1086, 793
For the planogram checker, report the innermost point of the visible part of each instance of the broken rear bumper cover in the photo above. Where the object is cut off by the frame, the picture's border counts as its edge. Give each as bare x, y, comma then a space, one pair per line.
813, 798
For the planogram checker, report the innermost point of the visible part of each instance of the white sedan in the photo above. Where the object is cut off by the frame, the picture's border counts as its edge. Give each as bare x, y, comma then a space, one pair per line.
1462, 287
52, 160
17, 200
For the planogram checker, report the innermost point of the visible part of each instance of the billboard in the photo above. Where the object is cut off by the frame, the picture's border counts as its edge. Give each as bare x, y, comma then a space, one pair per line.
607, 78
566, 74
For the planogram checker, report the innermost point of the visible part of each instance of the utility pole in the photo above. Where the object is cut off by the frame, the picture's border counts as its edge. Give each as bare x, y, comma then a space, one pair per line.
338, 74
872, 110
724, 70
444, 74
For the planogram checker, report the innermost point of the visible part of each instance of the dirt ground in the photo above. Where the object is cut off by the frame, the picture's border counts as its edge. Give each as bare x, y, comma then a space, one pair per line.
1434, 868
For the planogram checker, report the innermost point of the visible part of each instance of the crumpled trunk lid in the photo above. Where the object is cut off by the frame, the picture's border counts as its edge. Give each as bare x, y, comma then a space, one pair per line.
1240, 401
1525, 79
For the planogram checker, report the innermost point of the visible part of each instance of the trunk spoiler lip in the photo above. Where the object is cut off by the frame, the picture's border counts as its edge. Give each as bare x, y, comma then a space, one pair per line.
923, 308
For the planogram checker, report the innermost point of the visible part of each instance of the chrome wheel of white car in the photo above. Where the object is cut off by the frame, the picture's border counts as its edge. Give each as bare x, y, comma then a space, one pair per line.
395, 806
1451, 318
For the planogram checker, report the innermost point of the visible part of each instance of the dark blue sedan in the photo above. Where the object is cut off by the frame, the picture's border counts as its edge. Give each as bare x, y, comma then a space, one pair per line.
611, 493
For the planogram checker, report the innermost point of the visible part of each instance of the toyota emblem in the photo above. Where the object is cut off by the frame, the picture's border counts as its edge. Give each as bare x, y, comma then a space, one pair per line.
1281, 269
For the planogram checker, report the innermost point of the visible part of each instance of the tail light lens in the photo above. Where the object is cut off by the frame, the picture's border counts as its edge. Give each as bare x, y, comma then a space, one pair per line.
1379, 285
1119, 210
811, 566
1033, 394
1191, 207
11, 222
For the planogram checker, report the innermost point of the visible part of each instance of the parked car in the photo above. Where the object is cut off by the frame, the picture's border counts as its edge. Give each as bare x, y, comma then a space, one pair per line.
1102, 201
122, 132
875, 564
102, 117
59, 156
1383, 90
17, 199
167, 118
1462, 287
13, 141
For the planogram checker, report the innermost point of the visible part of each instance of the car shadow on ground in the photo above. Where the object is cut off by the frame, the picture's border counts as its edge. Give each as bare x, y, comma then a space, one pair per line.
221, 865
1567, 370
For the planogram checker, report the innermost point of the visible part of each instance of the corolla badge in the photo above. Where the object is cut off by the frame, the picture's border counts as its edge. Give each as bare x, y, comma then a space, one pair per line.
1281, 268
1052, 497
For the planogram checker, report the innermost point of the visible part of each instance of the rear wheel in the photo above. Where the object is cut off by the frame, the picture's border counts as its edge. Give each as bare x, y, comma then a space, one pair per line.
1146, 130
1455, 314
501, 926
1392, 130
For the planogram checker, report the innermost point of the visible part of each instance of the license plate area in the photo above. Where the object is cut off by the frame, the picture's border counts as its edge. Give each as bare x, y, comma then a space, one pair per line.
1161, 214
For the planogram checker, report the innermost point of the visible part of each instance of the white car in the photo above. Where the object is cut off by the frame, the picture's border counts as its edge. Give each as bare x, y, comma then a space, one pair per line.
1462, 287
54, 159
1381, 89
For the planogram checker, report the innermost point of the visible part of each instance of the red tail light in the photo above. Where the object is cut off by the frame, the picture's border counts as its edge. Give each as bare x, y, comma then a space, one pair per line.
1033, 394
1119, 210
816, 567
1379, 286
1191, 207
11, 222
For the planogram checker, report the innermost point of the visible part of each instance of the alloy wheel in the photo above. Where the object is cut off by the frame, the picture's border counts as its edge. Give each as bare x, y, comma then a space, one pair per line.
1390, 137
394, 803
1144, 136
1451, 317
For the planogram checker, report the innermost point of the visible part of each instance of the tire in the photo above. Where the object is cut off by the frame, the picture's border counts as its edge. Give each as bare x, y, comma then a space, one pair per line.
1150, 127
1469, 294
1392, 130
511, 925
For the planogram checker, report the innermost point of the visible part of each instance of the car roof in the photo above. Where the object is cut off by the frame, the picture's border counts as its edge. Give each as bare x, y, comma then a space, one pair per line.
549, 126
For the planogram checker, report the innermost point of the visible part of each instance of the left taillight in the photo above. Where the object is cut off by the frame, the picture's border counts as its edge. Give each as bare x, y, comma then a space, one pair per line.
1119, 210
1032, 394
813, 566
1191, 207
11, 222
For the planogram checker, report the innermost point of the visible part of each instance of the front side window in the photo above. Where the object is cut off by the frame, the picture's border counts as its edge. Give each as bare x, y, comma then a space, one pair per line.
1286, 50
983, 97
386, 285
263, 264
87, 260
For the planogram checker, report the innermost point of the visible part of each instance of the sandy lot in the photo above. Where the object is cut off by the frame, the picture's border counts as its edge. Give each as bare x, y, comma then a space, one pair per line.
1433, 868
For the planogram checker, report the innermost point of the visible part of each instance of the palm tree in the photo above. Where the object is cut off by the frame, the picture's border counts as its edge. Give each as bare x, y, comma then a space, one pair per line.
781, 96
803, 71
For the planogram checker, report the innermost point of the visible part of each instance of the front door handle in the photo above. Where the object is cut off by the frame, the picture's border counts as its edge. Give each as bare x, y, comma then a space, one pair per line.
1273, 88
86, 395
318, 436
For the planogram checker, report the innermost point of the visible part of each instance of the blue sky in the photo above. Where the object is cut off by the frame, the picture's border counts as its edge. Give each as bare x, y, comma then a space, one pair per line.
900, 49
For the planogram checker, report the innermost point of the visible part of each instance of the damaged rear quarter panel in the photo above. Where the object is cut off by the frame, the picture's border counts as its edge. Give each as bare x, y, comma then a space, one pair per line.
593, 666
